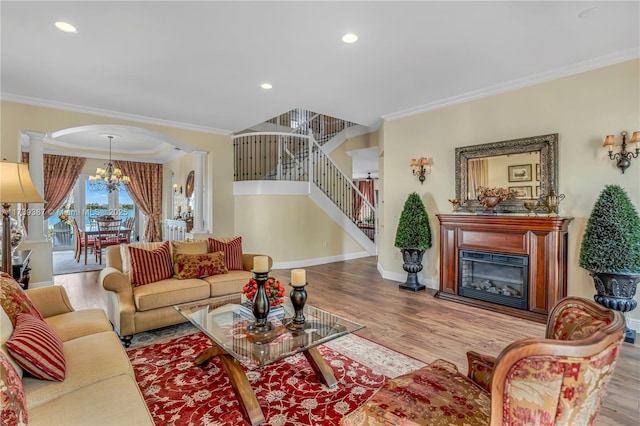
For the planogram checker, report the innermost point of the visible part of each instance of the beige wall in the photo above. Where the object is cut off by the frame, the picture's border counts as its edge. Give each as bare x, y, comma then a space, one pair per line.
289, 228
582, 109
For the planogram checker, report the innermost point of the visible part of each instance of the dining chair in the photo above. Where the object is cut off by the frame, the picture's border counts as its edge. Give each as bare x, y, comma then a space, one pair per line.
108, 235
78, 237
125, 237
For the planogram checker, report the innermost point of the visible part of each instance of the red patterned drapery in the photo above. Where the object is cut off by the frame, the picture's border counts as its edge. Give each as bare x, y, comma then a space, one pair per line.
60, 175
146, 191
366, 188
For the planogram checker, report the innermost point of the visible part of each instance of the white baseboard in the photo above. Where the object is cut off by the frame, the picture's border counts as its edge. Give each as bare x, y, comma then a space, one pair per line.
40, 284
402, 277
319, 260
633, 324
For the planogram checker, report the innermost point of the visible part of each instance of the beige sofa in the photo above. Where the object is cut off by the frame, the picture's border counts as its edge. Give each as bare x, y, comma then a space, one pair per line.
134, 309
99, 387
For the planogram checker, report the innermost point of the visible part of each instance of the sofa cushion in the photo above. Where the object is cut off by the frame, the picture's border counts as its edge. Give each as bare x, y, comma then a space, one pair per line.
232, 248
37, 348
149, 266
72, 325
14, 300
13, 400
126, 258
114, 401
187, 247
229, 283
90, 359
199, 265
6, 329
169, 293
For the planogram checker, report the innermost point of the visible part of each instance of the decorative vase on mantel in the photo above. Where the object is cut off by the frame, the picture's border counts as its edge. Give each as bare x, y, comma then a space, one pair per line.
490, 204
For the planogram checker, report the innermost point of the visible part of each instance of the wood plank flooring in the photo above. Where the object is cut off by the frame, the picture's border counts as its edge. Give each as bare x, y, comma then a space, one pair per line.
416, 324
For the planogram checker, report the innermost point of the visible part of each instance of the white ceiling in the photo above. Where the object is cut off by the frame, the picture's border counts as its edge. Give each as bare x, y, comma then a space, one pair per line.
199, 65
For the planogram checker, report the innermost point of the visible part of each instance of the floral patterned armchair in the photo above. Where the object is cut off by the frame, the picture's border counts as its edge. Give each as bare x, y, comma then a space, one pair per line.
557, 380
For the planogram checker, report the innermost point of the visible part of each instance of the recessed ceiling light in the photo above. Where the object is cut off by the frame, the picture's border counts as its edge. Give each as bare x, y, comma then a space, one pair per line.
350, 38
266, 86
67, 28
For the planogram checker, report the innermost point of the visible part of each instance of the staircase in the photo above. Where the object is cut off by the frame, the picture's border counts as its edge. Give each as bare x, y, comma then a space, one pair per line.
264, 153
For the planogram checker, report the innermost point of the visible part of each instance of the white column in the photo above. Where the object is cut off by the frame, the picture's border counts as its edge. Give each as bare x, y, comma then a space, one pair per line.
198, 192
37, 224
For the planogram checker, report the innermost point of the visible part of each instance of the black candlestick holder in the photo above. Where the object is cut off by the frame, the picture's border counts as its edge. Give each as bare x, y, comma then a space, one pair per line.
298, 298
261, 305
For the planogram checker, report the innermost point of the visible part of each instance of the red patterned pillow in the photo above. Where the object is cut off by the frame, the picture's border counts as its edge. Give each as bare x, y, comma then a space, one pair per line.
37, 348
14, 300
149, 266
14, 401
232, 249
200, 265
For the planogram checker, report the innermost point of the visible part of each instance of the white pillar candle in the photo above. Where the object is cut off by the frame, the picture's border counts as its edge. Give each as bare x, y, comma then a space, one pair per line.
260, 264
298, 277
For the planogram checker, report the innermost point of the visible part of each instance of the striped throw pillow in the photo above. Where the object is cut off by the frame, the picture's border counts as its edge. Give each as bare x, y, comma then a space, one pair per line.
37, 348
232, 249
149, 266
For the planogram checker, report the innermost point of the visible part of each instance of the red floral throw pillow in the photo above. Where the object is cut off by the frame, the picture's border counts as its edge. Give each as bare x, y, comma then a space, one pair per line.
14, 401
149, 266
232, 249
37, 348
14, 300
200, 265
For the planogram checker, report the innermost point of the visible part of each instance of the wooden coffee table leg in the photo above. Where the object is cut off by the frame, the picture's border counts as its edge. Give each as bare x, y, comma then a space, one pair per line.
320, 367
249, 405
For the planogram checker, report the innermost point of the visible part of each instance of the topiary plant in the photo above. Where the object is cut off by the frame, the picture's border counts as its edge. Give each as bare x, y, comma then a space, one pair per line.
413, 230
611, 241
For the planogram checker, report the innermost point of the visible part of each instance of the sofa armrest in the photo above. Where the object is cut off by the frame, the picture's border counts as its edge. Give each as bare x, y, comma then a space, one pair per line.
481, 369
114, 280
247, 261
50, 300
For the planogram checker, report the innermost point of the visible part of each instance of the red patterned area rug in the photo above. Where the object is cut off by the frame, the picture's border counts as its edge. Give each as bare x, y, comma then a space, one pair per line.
178, 392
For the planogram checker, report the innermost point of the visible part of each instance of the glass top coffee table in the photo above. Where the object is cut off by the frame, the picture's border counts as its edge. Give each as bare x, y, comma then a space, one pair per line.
236, 347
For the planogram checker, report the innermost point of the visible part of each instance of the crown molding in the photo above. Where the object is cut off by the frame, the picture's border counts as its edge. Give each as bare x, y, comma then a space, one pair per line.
580, 67
108, 113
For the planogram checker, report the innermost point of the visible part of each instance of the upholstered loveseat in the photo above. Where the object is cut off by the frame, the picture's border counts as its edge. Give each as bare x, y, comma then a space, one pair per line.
98, 386
134, 308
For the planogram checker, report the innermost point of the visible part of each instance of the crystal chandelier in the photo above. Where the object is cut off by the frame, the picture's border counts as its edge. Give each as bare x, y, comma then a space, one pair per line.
110, 178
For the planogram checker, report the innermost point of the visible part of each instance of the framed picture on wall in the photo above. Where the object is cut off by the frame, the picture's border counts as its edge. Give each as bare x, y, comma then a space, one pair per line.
521, 191
538, 172
521, 173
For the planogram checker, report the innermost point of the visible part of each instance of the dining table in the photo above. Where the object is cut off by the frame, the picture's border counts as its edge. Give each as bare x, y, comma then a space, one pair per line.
92, 231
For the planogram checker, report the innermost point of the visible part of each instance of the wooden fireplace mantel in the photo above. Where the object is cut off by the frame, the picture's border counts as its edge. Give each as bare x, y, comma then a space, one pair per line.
542, 239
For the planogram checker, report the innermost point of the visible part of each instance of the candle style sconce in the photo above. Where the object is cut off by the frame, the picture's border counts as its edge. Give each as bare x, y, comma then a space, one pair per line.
623, 157
421, 168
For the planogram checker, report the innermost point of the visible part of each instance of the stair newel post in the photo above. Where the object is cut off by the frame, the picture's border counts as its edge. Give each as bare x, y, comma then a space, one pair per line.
310, 143
279, 166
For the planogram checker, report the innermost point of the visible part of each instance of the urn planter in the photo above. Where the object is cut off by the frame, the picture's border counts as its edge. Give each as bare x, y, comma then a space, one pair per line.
412, 265
617, 291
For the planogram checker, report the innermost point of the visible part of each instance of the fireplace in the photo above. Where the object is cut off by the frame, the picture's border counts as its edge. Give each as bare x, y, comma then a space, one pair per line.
494, 277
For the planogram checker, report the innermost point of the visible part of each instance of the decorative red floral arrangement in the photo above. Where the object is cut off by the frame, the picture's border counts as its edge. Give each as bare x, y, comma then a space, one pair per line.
275, 291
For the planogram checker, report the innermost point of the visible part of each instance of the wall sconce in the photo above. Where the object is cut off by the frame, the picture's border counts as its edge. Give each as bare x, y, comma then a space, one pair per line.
177, 190
623, 157
421, 168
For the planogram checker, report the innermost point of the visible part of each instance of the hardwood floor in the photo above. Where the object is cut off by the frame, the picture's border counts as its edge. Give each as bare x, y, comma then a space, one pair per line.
416, 324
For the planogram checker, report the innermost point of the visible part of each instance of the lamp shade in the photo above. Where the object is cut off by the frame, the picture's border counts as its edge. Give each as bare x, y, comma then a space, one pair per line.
16, 185
609, 141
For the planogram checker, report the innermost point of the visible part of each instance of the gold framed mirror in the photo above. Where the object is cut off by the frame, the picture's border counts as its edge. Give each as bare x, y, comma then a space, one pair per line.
528, 166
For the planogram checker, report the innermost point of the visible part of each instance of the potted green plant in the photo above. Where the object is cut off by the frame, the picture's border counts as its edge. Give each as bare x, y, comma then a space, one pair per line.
610, 251
413, 237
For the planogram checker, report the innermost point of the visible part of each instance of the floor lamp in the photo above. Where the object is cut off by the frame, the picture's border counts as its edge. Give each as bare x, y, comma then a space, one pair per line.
15, 187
